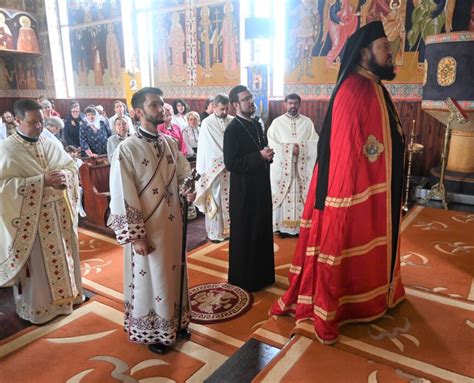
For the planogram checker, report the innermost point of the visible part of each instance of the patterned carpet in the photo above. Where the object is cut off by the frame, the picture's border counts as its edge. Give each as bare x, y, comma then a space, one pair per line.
430, 336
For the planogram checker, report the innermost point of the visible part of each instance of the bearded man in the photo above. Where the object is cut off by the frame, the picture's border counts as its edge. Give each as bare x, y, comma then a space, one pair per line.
294, 140
346, 267
145, 213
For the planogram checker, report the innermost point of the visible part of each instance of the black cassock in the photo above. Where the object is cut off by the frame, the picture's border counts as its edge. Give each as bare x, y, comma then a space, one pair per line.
251, 263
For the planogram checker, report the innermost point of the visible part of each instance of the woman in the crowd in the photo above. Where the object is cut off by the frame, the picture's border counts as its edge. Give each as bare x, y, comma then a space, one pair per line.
9, 122
75, 154
94, 134
55, 125
180, 108
47, 108
191, 134
121, 133
73, 125
171, 129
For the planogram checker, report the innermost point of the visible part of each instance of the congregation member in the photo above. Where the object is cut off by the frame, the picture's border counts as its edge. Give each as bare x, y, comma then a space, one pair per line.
293, 138
55, 126
213, 187
103, 115
93, 134
180, 109
146, 172
39, 183
73, 124
191, 134
119, 109
75, 154
172, 130
208, 105
47, 108
247, 157
346, 267
121, 133
9, 122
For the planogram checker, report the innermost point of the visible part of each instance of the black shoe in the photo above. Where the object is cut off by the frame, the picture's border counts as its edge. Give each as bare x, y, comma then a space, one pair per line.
287, 235
184, 333
217, 240
158, 348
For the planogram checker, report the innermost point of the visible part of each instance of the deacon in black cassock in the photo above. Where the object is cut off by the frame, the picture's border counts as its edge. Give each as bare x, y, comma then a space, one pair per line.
247, 157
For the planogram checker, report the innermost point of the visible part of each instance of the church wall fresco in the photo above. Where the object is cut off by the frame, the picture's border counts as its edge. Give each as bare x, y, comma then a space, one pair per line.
318, 29
97, 49
196, 48
25, 60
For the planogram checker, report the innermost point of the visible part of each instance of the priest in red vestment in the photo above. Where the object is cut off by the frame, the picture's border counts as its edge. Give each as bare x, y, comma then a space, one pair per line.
346, 266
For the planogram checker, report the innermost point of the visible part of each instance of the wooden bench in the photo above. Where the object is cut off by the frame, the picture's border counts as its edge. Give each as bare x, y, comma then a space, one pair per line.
94, 175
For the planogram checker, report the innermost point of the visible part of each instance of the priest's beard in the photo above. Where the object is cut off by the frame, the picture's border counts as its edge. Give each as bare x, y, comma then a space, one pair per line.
154, 120
386, 72
292, 112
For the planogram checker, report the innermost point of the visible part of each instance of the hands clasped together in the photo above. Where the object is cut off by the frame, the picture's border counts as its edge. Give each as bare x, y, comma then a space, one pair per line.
56, 179
267, 154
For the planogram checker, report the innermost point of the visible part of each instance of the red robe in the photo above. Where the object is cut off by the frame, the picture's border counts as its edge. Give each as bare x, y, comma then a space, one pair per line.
341, 270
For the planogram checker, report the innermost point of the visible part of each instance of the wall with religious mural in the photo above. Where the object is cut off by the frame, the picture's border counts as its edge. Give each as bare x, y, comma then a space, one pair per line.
97, 50
196, 48
25, 60
318, 29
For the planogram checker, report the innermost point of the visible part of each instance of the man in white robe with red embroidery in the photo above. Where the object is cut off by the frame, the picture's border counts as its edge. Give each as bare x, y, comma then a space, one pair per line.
294, 140
39, 251
145, 213
213, 188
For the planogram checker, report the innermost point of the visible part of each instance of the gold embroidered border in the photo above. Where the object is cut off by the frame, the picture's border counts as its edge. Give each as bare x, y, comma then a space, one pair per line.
305, 299
358, 298
312, 251
356, 198
359, 250
323, 314
295, 269
292, 224
306, 223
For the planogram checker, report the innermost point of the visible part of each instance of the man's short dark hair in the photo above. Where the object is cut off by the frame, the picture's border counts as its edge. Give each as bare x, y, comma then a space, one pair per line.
221, 99
210, 100
22, 106
180, 101
293, 96
234, 93
139, 97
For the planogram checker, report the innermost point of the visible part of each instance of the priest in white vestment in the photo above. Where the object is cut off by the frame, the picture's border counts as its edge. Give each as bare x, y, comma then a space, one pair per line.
293, 138
213, 188
39, 251
145, 213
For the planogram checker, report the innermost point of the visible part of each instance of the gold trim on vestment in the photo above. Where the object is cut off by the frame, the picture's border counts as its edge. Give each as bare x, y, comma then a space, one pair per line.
357, 298
306, 223
356, 198
359, 250
292, 224
305, 299
312, 251
295, 269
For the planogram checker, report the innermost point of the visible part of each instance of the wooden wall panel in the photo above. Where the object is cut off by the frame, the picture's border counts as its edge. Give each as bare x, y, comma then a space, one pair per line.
430, 132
